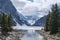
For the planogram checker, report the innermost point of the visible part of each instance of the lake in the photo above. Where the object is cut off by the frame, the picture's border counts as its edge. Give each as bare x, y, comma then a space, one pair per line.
31, 33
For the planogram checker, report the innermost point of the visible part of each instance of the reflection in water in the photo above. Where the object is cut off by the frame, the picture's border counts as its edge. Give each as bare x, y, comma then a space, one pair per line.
32, 35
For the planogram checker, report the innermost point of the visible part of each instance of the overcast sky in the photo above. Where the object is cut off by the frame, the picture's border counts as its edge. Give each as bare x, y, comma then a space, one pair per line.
31, 7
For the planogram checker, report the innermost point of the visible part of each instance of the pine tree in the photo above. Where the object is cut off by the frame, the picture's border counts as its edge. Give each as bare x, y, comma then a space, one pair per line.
0, 20
6, 23
3, 24
10, 22
53, 19
47, 22
58, 21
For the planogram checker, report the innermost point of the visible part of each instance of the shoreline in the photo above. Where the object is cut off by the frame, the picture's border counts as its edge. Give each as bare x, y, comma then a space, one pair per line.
14, 35
47, 36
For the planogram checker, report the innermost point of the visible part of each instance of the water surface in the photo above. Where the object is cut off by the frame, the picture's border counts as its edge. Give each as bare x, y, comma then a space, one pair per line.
32, 35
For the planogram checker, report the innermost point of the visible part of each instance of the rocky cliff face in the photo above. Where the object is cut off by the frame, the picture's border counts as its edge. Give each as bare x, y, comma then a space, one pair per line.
7, 7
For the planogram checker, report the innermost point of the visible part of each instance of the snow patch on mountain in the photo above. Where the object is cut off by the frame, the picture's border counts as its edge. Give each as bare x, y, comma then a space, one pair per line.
31, 22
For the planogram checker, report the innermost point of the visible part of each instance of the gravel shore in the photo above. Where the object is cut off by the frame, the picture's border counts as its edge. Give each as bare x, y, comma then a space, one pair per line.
47, 36
15, 35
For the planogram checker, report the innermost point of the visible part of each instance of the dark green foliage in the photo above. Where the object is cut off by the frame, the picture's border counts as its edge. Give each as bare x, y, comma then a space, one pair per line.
52, 20
47, 22
0, 19
3, 24
9, 22
6, 23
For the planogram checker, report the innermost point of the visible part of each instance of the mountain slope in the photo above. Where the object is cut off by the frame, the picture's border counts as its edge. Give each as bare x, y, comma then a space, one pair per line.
7, 7
40, 21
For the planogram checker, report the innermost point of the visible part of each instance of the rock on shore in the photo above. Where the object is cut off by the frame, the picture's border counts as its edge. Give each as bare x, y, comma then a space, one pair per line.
47, 36
15, 35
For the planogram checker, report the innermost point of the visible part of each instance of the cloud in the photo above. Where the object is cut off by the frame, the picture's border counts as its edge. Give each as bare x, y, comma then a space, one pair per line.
33, 8
18, 4
31, 0
30, 10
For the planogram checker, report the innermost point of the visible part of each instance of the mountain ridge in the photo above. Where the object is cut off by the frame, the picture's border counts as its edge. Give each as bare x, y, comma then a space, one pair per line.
7, 7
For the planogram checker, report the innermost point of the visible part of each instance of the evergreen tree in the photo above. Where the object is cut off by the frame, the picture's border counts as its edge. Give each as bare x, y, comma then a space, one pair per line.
10, 22
6, 23
58, 21
0, 19
53, 20
3, 24
46, 28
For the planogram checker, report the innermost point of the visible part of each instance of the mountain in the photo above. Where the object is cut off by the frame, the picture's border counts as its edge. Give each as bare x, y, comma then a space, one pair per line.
24, 19
7, 7
31, 20
32, 17
21, 16
40, 21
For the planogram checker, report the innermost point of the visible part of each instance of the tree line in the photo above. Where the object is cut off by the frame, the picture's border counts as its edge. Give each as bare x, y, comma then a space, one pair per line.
52, 20
5, 23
